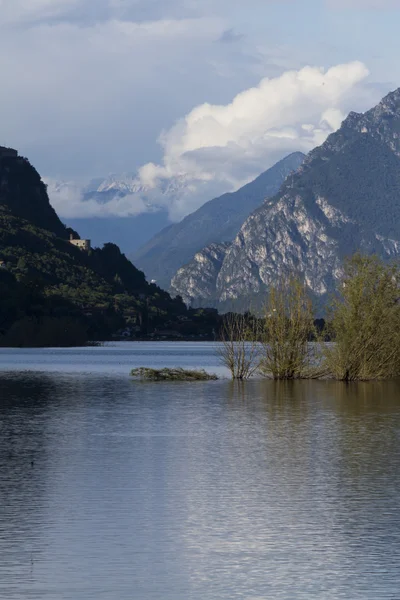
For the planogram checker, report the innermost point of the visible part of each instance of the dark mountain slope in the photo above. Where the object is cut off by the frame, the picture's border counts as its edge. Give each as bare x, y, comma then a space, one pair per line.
23, 192
63, 290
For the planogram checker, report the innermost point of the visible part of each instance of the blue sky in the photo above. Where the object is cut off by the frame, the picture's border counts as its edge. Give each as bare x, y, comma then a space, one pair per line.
90, 87
326, 33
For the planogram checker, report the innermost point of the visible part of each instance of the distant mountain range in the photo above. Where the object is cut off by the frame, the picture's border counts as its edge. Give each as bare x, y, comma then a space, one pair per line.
218, 220
131, 230
345, 197
134, 212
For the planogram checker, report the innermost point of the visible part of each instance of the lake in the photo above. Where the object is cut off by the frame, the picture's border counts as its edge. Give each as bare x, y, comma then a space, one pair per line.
117, 490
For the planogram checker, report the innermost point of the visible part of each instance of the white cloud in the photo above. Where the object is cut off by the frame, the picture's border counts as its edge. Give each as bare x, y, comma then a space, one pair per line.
87, 86
87, 100
218, 148
226, 145
260, 112
69, 202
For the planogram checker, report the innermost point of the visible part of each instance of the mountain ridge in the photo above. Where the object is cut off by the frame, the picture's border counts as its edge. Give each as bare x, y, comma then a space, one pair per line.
345, 197
215, 221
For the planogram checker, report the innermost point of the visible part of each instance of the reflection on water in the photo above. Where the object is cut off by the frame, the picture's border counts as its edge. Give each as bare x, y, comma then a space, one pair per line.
198, 491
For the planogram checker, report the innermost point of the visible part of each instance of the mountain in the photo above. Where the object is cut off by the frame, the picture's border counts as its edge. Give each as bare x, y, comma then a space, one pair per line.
216, 221
22, 190
196, 282
60, 291
344, 198
125, 209
101, 201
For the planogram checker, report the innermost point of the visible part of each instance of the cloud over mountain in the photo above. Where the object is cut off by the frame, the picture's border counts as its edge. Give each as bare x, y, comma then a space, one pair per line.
88, 85
217, 148
233, 143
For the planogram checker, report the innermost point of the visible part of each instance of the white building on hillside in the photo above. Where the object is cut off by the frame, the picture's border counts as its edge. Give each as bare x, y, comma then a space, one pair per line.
82, 244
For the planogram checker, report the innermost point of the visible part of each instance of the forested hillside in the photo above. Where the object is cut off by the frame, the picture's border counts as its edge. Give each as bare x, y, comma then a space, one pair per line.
53, 293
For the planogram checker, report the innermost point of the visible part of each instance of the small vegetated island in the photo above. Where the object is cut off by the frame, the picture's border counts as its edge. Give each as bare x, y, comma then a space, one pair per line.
177, 374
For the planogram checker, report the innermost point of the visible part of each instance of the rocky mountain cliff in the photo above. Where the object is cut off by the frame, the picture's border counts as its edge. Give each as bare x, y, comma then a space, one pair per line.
196, 282
344, 198
218, 220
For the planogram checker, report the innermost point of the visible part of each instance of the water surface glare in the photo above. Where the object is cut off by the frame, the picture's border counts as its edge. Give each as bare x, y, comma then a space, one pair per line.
118, 490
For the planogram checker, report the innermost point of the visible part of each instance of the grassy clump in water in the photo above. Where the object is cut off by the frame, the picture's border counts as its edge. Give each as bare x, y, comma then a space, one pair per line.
144, 373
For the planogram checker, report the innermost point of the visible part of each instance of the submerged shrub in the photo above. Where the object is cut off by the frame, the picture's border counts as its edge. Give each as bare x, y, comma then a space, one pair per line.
239, 349
365, 322
288, 326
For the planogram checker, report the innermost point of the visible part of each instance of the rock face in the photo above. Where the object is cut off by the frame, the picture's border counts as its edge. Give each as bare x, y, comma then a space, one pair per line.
216, 221
344, 198
286, 237
196, 282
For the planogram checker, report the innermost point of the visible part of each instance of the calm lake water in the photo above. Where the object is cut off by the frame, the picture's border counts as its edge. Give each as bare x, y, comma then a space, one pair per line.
200, 491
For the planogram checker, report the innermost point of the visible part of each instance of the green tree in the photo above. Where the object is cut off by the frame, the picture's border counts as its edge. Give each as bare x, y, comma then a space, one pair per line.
288, 325
365, 322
